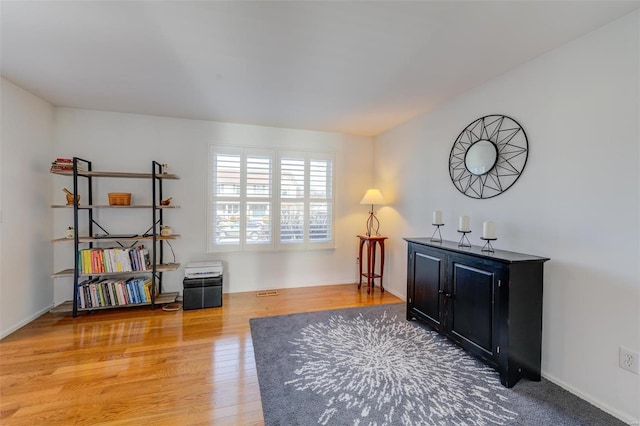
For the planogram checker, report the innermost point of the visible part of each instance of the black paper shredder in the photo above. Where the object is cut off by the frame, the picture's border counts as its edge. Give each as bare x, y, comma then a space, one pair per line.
201, 293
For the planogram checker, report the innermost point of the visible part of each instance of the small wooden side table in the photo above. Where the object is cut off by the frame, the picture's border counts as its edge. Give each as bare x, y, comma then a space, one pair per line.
370, 274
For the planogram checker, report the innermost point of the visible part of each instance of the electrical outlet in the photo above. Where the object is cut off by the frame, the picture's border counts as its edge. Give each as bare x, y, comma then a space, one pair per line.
357, 260
628, 360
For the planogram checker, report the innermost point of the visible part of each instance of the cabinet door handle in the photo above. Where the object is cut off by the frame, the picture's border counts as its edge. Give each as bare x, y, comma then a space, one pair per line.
445, 294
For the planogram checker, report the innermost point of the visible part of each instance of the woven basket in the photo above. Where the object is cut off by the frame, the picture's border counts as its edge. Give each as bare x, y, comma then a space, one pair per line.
119, 198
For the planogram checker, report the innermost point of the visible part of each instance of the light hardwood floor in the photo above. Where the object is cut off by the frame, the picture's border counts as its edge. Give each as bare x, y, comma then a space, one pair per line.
137, 366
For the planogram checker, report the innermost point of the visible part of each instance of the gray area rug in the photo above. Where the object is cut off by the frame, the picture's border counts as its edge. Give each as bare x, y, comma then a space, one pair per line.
369, 366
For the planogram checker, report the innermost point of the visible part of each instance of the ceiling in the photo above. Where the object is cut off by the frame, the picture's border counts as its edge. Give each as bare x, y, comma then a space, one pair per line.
350, 67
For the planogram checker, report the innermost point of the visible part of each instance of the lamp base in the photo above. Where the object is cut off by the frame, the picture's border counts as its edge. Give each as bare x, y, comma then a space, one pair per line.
373, 224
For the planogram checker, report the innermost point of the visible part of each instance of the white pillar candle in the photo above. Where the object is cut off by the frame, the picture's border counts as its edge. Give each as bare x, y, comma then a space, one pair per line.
464, 224
488, 230
437, 217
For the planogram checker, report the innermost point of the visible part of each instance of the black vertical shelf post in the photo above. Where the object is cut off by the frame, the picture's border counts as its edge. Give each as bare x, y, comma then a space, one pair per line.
76, 243
156, 190
76, 207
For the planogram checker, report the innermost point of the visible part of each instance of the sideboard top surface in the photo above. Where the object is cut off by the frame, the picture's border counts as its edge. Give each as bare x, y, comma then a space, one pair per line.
498, 255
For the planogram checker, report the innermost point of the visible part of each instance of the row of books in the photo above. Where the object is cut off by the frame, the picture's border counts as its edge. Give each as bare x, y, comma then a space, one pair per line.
101, 260
65, 164
113, 292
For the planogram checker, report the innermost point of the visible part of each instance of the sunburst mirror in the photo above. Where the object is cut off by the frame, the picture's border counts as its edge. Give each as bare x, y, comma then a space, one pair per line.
488, 156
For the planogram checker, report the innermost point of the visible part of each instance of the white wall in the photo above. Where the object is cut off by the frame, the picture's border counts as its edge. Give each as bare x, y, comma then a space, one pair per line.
577, 201
25, 227
128, 142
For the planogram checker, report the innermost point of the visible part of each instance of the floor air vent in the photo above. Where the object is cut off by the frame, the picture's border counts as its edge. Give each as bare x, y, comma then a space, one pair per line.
267, 293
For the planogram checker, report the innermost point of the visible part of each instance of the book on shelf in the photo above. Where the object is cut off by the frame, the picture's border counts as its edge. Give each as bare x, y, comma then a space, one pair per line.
65, 164
106, 293
102, 260
94, 295
82, 301
122, 300
101, 296
127, 290
135, 292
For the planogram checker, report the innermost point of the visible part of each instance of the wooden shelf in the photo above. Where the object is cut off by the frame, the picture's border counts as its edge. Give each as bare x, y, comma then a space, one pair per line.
161, 299
116, 174
165, 267
102, 206
115, 240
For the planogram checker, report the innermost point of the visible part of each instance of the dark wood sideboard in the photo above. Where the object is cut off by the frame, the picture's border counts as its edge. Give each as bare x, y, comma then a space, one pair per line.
488, 303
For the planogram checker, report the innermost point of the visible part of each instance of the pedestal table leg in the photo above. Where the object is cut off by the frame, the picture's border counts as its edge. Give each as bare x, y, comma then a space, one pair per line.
360, 264
371, 263
381, 264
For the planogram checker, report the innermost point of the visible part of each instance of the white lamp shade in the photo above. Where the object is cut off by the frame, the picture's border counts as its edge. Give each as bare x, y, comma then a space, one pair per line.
373, 196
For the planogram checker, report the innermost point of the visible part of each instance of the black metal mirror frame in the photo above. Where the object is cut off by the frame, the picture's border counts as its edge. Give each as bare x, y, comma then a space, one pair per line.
512, 147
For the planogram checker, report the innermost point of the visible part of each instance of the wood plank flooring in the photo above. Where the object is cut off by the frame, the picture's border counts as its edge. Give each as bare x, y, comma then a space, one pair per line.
137, 366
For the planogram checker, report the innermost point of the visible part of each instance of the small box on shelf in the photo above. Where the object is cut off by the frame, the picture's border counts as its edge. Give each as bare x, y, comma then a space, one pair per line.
119, 198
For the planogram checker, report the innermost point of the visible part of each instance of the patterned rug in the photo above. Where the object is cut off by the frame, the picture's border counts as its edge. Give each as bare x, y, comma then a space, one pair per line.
369, 366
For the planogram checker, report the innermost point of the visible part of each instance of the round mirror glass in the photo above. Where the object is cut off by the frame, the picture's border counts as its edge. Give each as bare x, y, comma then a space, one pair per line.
481, 157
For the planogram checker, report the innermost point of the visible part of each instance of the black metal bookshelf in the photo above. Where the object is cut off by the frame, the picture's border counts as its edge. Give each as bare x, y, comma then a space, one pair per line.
83, 169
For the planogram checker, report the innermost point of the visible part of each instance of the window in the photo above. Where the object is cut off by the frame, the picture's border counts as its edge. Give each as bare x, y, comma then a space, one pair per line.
270, 199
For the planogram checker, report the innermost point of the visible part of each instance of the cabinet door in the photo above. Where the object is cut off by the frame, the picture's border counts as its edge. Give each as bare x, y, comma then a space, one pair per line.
472, 308
427, 272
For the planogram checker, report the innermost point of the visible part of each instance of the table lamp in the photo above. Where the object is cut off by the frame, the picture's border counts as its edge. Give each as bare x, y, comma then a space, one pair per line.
373, 196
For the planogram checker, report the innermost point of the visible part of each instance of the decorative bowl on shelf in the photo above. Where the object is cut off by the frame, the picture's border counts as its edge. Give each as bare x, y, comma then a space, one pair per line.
166, 202
70, 197
119, 198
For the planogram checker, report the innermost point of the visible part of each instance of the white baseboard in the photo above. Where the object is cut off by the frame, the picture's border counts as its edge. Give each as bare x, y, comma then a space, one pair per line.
395, 294
257, 288
590, 399
24, 322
